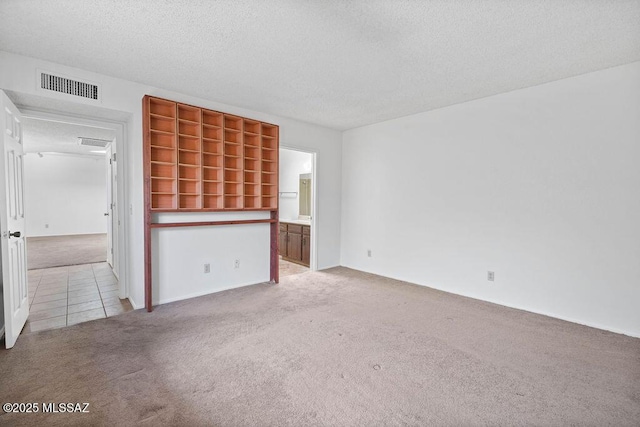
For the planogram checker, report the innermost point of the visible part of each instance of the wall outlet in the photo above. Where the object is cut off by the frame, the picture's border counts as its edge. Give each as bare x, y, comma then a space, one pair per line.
237, 264
207, 268
491, 276
369, 253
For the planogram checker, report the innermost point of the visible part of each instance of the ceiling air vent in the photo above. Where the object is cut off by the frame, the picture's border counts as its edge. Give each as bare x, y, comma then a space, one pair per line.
93, 142
68, 86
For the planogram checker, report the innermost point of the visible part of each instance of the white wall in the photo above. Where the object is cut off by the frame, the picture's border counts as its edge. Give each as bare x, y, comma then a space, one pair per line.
194, 247
292, 165
69, 193
540, 185
18, 74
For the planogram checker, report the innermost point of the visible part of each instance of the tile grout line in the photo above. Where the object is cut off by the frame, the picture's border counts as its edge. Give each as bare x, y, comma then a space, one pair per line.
99, 291
96, 284
46, 302
27, 323
67, 272
36, 290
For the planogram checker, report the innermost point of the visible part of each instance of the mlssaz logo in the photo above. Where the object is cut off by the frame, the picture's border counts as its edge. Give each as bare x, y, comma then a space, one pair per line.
65, 407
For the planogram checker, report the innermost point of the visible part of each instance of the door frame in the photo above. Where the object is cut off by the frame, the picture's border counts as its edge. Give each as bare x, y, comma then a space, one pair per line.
119, 128
313, 264
112, 250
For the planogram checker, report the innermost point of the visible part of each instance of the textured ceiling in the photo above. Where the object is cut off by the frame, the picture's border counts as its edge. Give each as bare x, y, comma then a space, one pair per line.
337, 63
54, 137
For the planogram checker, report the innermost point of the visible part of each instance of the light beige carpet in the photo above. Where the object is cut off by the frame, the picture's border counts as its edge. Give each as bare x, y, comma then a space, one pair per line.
332, 348
57, 251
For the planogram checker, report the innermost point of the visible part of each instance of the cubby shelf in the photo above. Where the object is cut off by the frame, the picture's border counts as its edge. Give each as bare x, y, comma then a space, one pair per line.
199, 159
165, 132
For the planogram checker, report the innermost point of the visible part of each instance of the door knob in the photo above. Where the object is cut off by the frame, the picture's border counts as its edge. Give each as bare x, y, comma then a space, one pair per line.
106, 214
16, 234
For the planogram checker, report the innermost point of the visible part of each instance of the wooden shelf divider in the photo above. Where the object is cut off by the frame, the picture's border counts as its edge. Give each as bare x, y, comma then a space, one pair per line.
200, 160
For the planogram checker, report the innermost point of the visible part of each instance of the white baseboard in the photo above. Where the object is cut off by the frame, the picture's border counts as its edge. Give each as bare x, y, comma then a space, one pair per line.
542, 313
208, 292
326, 267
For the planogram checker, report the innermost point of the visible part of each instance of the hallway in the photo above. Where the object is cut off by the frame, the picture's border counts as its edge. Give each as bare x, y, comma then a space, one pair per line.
62, 296
54, 251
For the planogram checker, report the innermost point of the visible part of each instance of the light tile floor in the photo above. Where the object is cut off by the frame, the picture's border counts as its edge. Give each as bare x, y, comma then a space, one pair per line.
63, 296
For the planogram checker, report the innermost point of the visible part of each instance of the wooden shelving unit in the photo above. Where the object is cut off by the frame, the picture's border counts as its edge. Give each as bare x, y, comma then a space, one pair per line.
252, 167
199, 160
233, 168
269, 166
212, 161
189, 157
162, 147
203, 160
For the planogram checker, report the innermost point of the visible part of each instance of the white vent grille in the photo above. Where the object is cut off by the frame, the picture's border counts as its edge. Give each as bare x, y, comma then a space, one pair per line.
68, 86
93, 142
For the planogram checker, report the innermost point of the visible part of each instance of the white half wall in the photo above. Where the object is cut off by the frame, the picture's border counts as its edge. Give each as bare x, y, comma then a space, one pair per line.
292, 165
19, 74
540, 185
66, 193
180, 255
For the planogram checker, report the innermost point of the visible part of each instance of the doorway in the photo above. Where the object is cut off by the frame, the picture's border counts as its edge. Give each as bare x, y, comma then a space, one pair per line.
70, 197
67, 285
66, 193
297, 207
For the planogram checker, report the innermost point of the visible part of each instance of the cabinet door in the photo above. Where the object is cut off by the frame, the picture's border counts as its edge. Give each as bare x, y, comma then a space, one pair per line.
282, 244
294, 246
306, 249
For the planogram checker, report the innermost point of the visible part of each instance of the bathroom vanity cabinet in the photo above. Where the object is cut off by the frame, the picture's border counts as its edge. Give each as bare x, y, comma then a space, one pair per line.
295, 242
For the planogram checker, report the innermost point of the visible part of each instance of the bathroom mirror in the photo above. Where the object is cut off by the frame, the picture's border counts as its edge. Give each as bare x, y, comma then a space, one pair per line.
305, 196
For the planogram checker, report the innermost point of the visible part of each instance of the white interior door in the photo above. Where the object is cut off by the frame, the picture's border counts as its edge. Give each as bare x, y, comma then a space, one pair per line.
115, 219
109, 211
12, 221
113, 222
